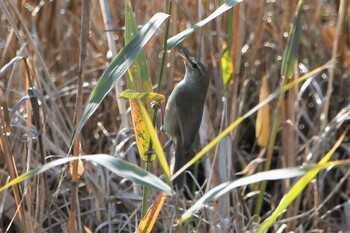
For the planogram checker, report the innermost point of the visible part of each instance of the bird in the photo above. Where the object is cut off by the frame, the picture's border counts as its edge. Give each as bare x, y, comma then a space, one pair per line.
184, 110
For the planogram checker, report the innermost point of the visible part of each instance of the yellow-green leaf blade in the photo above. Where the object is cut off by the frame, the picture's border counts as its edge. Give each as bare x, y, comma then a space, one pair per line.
298, 188
118, 67
152, 96
291, 53
157, 145
138, 80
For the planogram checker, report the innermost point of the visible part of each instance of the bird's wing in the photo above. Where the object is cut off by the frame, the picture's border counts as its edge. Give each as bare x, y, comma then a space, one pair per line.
189, 115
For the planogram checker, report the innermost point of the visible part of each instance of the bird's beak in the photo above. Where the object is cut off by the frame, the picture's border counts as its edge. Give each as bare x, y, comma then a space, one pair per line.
185, 58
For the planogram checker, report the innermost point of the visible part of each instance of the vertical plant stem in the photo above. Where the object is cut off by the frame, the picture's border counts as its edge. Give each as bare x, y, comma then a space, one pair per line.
164, 52
79, 102
107, 20
73, 208
42, 187
270, 148
146, 189
290, 57
154, 117
10, 160
27, 159
343, 8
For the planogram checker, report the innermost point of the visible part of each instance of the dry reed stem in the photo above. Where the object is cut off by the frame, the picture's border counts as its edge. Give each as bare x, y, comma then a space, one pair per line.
47, 36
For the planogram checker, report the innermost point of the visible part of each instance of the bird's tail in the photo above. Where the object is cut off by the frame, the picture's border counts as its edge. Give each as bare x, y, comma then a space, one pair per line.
183, 154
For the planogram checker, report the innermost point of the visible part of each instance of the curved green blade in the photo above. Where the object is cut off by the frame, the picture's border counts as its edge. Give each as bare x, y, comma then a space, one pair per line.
228, 186
177, 39
277, 174
118, 67
295, 191
117, 166
290, 55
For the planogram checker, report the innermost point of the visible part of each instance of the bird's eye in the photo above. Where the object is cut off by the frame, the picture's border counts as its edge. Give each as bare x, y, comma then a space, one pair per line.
194, 65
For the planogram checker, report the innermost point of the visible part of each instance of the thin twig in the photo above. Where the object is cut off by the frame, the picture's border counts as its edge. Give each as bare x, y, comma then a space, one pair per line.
78, 109
343, 9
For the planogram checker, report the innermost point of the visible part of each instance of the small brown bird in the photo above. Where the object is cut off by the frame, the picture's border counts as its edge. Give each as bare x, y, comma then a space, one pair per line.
184, 110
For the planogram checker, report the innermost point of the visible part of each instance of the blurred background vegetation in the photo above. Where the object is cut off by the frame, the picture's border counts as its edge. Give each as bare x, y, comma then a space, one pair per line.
47, 35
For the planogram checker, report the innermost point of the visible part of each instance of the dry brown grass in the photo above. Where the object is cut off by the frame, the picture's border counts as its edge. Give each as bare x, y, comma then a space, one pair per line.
47, 35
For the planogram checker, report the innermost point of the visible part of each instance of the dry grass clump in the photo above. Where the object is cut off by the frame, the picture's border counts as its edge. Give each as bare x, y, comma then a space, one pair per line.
38, 107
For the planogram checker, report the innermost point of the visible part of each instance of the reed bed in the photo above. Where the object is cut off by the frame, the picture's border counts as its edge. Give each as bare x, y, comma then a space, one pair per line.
41, 60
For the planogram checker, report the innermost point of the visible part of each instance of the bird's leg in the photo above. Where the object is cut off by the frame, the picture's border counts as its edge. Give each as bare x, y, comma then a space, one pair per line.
167, 144
150, 152
154, 105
